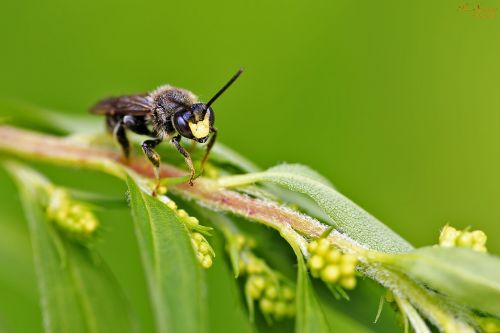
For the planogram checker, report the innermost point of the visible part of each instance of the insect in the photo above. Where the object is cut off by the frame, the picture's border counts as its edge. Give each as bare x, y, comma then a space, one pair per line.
167, 113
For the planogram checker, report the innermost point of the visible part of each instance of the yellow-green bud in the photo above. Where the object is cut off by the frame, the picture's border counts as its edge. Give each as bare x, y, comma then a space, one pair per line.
241, 266
259, 282
323, 246
316, 262
90, 225
330, 274
266, 306
333, 256
255, 266
182, 213
195, 244
312, 247
253, 291
448, 234
240, 241
347, 268
465, 239
61, 215
76, 210
161, 189
348, 282
172, 205
287, 293
271, 292
280, 309
479, 237
71, 216
198, 237
206, 262
204, 248
193, 220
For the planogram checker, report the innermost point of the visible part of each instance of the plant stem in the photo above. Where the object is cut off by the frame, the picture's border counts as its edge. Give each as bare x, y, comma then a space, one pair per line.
63, 151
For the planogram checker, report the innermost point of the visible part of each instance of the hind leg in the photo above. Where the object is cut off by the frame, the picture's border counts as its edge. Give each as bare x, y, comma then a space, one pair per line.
148, 147
116, 127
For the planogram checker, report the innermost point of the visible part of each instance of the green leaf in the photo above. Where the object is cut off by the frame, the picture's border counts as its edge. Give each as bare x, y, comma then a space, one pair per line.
310, 316
471, 277
309, 313
78, 292
347, 216
175, 278
33, 116
227, 312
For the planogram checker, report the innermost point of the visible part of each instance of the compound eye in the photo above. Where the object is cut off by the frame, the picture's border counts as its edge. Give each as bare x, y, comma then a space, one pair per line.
182, 125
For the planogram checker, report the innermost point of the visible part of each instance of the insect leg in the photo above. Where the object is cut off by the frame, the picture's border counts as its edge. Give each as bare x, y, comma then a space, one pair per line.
176, 141
121, 137
210, 144
148, 149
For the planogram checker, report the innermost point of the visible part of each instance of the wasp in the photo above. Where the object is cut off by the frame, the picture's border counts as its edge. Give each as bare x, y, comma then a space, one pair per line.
167, 113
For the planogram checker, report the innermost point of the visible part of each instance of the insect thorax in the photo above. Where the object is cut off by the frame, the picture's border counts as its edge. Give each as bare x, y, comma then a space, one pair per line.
166, 101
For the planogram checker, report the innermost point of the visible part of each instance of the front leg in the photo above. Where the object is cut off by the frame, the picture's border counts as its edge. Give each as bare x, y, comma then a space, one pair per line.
210, 144
176, 141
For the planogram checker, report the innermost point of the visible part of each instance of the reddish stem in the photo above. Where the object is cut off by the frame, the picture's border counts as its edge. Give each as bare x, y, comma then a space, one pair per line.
59, 150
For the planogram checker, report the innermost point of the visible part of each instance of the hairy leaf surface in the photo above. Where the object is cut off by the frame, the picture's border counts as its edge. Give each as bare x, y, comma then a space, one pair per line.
346, 215
470, 277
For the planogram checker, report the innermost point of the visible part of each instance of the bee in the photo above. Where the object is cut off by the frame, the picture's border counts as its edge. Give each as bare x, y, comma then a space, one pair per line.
167, 113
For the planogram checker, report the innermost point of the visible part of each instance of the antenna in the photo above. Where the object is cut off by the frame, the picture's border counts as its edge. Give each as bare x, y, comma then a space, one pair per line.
227, 85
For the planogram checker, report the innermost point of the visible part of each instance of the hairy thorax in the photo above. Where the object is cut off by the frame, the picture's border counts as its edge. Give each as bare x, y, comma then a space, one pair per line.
167, 100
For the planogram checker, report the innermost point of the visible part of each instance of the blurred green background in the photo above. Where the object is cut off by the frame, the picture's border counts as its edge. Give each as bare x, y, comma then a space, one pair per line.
396, 102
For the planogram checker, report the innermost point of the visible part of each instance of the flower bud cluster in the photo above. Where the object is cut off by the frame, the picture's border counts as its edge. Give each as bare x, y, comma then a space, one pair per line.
331, 265
204, 252
275, 296
72, 217
451, 237
190, 221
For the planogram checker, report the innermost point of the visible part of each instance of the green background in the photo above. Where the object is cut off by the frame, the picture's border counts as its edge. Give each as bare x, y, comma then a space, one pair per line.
395, 102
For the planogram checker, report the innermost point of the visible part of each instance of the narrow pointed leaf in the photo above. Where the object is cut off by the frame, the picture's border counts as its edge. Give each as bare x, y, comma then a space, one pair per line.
78, 292
470, 277
175, 279
310, 317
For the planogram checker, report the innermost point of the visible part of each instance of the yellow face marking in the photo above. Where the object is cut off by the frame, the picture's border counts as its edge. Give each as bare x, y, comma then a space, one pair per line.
201, 128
